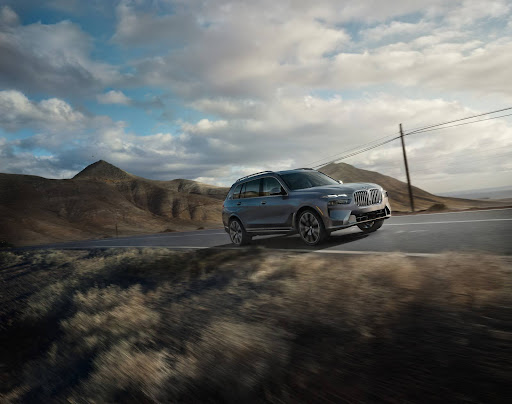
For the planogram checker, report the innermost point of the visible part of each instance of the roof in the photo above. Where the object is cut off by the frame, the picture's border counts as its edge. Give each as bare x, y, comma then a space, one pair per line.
262, 173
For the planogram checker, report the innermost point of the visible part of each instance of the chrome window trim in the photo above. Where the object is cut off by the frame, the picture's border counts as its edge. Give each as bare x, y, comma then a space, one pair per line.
253, 179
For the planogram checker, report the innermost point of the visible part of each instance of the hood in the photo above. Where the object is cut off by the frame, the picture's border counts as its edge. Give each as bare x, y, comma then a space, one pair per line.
341, 189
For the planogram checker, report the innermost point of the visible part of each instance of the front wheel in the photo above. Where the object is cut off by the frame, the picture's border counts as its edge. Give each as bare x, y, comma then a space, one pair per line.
311, 228
370, 227
237, 233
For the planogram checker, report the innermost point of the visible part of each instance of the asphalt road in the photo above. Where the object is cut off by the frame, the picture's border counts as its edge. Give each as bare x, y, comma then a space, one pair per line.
487, 231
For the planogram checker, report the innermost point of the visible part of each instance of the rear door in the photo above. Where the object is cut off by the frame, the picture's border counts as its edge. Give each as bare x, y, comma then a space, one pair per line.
249, 204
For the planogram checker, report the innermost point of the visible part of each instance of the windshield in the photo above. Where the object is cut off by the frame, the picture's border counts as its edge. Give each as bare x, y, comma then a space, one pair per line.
308, 179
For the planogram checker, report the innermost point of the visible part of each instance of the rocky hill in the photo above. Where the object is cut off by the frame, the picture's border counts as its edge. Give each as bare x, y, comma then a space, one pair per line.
102, 201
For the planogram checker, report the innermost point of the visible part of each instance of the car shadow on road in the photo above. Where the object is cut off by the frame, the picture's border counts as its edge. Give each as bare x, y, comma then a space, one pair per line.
294, 242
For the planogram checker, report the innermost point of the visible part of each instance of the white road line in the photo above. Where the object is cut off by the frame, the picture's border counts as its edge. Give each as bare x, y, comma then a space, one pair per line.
299, 250
126, 246
410, 231
447, 222
182, 235
451, 213
354, 252
164, 235
266, 249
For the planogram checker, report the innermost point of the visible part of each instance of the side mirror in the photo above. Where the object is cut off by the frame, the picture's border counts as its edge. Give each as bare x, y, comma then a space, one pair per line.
340, 181
276, 191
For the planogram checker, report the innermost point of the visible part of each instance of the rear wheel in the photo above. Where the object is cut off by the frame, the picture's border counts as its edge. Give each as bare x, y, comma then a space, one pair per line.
370, 227
237, 233
311, 228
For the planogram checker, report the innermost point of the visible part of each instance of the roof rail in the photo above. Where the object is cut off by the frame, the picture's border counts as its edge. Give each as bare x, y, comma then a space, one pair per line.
252, 175
305, 168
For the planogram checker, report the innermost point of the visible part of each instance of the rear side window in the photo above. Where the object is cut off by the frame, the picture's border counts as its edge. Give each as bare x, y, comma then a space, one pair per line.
251, 189
269, 183
236, 192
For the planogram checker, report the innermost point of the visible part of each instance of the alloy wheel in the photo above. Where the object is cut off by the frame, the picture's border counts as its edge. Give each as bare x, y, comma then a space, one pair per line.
309, 228
235, 232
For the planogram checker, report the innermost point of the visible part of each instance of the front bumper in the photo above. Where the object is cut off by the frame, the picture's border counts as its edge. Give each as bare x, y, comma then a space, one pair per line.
337, 219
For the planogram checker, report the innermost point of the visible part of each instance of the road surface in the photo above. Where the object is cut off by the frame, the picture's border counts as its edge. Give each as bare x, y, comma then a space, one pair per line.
486, 231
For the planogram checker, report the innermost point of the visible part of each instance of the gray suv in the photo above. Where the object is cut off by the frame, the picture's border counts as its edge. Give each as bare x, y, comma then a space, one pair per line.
304, 201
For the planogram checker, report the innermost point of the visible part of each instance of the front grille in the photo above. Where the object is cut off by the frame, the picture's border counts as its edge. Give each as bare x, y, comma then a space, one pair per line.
369, 197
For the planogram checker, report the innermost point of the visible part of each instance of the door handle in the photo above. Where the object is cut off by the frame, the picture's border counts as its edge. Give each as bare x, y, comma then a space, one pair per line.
263, 202
239, 203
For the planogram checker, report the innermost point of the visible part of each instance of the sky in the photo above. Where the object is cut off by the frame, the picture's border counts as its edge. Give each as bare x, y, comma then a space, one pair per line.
215, 90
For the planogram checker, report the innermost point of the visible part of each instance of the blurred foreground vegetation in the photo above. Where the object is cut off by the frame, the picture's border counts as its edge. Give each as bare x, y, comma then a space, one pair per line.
252, 326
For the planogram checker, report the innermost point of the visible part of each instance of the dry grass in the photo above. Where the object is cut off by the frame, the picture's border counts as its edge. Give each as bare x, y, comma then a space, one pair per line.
247, 326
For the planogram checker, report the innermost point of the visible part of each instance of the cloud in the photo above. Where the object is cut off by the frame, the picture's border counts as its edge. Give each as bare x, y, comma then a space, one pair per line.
50, 58
231, 56
471, 11
8, 18
113, 97
150, 28
18, 112
273, 85
383, 32
288, 131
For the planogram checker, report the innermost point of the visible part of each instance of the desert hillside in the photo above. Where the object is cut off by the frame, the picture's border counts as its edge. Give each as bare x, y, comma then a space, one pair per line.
97, 200
398, 191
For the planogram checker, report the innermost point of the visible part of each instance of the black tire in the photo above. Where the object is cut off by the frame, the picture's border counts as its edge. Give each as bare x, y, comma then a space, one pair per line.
311, 227
370, 227
237, 233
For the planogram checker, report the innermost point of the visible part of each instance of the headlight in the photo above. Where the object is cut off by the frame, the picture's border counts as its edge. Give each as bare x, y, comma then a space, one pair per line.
384, 193
340, 199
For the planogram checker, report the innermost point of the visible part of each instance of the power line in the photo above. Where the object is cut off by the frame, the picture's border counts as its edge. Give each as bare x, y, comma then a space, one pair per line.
349, 150
458, 124
366, 146
457, 120
357, 152
457, 164
476, 152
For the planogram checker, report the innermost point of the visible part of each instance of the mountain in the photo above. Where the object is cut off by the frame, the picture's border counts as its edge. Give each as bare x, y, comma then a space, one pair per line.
398, 190
98, 199
104, 171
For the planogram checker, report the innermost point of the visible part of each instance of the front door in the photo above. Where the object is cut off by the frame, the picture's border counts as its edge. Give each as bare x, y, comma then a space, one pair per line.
275, 209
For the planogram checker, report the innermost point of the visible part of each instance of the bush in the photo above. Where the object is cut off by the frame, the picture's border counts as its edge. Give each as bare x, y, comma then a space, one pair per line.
244, 326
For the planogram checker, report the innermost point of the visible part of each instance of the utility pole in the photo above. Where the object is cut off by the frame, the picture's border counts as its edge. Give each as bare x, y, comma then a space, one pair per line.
406, 168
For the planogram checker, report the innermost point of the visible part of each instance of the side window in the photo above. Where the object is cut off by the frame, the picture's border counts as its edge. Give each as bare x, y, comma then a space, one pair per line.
268, 184
251, 189
236, 192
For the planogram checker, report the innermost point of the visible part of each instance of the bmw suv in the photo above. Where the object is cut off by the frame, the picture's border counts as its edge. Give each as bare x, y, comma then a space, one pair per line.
303, 201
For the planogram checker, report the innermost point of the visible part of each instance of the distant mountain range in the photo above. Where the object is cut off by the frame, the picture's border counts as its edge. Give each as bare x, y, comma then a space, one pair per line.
102, 200
484, 193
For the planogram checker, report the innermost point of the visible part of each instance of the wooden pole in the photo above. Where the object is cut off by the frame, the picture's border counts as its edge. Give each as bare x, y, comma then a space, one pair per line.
407, 169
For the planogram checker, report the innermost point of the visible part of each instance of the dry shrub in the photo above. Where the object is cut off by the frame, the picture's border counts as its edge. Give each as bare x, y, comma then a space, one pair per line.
107, 315
9, 259
249, 325
48, 301
126, 373
231, 362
